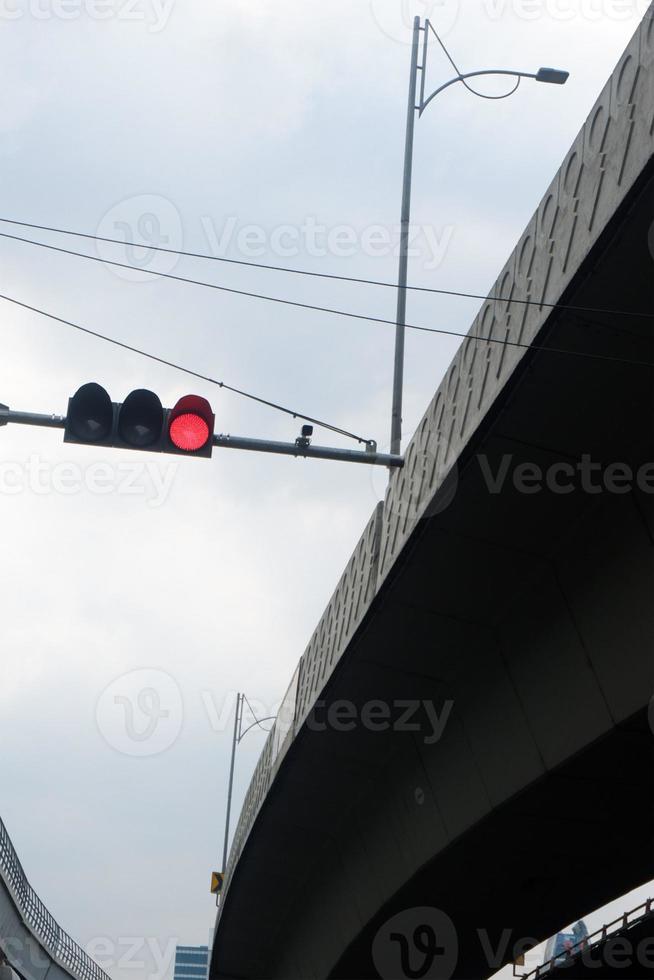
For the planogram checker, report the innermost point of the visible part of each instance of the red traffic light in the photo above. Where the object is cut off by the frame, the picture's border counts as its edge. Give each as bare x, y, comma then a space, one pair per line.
140, 422
190, 425
189, 432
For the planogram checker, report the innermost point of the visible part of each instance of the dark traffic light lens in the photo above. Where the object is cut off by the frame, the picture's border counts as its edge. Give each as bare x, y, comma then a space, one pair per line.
189, 432
141, 419
90, 414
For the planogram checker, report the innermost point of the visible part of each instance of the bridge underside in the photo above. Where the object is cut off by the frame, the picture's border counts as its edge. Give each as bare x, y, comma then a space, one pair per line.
532, 615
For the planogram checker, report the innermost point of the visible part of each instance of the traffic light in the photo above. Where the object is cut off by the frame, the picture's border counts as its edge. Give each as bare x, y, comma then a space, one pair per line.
189, 427
140, 422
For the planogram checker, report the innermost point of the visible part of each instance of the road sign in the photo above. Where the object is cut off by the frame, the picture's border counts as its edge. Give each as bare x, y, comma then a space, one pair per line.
217, 879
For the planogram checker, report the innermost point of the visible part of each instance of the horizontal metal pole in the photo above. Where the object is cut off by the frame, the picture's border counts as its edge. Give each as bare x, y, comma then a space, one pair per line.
308, 452
369, 457
32, 418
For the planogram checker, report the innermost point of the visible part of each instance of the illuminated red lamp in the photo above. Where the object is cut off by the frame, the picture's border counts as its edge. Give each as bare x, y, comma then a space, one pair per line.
190, 426
189, 432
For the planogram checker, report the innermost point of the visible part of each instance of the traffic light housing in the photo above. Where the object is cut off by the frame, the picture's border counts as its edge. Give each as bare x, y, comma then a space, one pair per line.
90, 417
140, 422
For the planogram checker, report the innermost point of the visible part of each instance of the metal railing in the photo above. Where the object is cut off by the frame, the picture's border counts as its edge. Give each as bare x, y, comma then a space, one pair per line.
57, 943
588, 943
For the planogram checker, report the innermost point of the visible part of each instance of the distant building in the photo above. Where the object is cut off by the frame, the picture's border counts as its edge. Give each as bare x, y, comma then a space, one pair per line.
191, 963
561, 944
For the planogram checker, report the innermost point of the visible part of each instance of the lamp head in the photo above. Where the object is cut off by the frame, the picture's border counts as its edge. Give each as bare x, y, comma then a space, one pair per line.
553, 76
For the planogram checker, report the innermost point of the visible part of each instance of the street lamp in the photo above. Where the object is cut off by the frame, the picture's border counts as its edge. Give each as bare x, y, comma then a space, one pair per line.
239, 734
550, 75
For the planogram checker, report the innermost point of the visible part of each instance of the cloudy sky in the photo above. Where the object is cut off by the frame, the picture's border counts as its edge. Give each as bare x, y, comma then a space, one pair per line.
270, 131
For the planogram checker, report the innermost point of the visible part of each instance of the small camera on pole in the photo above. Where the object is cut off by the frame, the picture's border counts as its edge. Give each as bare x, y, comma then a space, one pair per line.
304, 439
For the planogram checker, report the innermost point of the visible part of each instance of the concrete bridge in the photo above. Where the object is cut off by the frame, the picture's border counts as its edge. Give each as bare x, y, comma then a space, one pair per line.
465, 750
31, 941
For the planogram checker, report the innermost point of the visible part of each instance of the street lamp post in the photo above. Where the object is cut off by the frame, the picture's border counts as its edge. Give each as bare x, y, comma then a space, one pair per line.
418, 106
238, 734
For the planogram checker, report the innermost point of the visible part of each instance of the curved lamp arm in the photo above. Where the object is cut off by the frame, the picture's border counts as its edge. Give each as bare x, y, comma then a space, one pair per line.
552, 76
475, 74
257, 721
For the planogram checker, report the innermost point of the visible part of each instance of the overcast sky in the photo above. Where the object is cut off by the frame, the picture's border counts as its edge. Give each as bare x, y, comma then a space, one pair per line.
271, 131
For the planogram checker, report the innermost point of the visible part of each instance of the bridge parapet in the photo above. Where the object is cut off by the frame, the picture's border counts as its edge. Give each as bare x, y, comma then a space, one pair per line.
352, 597
340, 620
32, 940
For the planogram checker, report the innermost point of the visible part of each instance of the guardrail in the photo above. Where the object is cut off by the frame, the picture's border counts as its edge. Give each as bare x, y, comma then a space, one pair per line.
43, 926
596, 939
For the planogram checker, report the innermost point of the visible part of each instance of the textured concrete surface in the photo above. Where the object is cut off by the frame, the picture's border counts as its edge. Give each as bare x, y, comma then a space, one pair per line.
530, 613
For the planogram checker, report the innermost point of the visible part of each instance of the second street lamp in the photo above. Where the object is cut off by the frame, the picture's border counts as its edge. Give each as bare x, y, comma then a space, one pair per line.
239, 734
550, 75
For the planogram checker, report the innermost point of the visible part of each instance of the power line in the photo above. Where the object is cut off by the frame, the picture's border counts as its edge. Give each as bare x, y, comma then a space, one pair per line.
327, 309
359, 316
185, 370
298, 272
